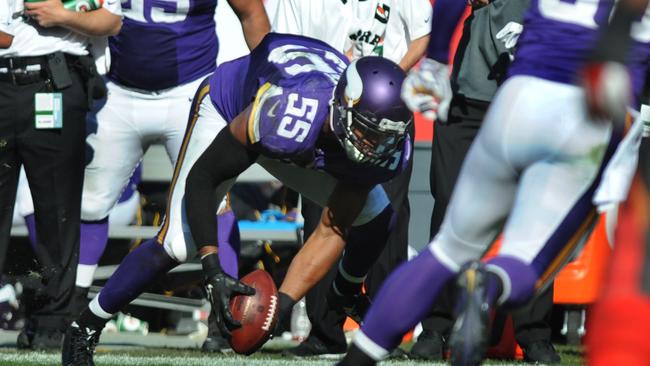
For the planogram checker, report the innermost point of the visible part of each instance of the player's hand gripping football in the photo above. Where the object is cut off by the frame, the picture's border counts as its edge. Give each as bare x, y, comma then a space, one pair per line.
607, 90
428, 90
220, 288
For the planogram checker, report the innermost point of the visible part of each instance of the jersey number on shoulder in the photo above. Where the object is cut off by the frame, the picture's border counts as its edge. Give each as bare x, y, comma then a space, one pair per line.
583, 12
299, 115
156, 11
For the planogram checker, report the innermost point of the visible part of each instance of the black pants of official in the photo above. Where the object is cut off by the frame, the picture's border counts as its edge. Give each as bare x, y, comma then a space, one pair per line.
327, 324
54, 163
451, 141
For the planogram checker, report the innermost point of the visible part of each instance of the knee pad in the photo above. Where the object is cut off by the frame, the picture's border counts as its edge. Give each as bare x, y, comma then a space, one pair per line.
452, 251
375, 203
94, 209
178, 247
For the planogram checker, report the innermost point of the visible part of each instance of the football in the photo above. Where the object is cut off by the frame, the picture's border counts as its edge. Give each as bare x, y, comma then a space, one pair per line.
257, 314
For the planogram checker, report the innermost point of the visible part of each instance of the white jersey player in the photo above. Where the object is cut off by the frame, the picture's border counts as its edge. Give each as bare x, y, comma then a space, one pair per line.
395, 29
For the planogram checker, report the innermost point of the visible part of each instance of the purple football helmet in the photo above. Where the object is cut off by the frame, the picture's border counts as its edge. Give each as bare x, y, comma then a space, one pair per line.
367, 115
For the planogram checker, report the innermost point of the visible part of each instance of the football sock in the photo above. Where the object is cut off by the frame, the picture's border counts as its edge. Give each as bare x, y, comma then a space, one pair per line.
30, 222
364, 245
356, 357
511, 293
405, 298
92, 242
135, 274
229, 242
88, 319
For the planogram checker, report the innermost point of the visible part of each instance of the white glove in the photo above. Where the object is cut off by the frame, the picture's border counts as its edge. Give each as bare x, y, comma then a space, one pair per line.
509, 34
428, 90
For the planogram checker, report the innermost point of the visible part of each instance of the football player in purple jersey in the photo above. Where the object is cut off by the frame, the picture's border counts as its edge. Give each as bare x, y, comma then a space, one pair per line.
531, 174
329, 130
157, 61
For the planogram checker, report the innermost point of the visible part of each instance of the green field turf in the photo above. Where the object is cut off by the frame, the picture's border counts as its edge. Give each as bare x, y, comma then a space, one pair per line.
173, 357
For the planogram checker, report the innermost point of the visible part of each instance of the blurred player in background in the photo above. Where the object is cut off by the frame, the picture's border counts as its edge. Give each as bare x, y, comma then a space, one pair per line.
397, 30
480, 65
331, 136
156, 64
47, 83
532, 171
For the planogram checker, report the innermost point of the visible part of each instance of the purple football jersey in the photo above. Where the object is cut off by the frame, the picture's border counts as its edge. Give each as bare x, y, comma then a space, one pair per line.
290, 81
559, 35
164, 43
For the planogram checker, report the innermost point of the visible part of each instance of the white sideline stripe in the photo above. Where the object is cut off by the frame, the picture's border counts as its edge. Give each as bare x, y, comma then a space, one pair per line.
96, 309
348, 277
369, 347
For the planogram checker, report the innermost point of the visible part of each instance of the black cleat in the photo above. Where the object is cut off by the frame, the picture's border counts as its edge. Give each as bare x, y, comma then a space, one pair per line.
215, 342
469, 336
79, 345
541, 352
314, 347
430, 346
354, 306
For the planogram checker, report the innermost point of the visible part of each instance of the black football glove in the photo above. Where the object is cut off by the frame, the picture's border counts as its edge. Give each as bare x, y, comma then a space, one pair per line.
219, 289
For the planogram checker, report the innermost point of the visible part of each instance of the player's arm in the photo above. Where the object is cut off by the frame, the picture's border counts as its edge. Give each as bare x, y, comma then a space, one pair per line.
225, 158
100, 22
428, 89
446, 16
606, 80
253, 18
5, 40
416, 20
326, 243
415, 51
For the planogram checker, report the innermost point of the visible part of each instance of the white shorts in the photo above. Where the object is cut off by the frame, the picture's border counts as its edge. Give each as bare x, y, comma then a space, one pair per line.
531, 172
126, 125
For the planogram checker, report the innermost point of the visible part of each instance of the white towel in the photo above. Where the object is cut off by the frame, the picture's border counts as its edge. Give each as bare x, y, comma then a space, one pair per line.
617, 177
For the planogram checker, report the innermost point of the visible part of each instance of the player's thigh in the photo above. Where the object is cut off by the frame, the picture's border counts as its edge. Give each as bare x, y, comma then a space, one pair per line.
553, 209
178, 104
485, 188
204, 125
318, 186
115, 148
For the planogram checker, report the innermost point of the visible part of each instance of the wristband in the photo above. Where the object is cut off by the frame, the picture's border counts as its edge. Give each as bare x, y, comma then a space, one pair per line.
211, 265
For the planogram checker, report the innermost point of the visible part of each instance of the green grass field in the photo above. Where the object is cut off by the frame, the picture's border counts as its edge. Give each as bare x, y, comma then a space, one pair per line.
183, 357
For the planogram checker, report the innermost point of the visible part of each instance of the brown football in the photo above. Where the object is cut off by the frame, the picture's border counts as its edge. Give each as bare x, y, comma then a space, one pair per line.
257, 314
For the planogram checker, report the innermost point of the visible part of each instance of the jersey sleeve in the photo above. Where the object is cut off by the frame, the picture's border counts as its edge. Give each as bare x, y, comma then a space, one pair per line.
446, 16
285, 121
287, 18
416, 16
114, 6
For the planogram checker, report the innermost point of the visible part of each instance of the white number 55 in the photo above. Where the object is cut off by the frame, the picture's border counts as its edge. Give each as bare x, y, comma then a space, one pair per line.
298, 119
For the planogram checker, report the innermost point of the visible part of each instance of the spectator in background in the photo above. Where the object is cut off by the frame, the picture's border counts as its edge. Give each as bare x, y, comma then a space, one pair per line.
47, 81
398, 30
480, 66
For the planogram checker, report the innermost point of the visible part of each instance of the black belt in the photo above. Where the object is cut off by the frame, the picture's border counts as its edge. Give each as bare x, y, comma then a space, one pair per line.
20, 63
18, 74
